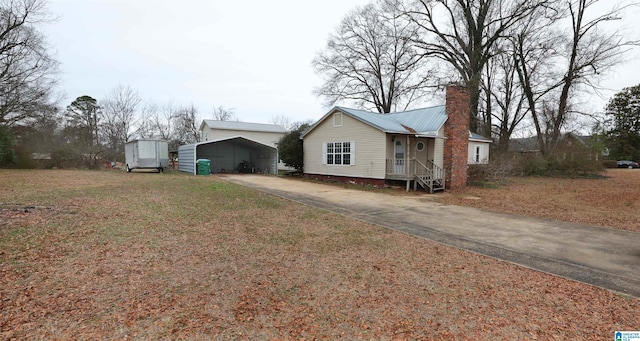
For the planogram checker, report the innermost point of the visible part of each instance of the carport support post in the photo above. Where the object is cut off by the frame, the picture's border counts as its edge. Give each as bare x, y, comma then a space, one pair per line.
408, 185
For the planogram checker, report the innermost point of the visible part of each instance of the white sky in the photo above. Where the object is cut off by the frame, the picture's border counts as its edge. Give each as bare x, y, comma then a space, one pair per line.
253, 56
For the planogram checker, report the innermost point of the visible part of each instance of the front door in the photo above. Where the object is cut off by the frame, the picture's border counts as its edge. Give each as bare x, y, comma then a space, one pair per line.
399, 159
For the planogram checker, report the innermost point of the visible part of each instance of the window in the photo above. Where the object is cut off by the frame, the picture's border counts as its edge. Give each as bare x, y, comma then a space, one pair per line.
420, 146
339, 153
337, 119
477, 154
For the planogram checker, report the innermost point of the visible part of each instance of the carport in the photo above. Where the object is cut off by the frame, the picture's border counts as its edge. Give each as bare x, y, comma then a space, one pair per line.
228, 154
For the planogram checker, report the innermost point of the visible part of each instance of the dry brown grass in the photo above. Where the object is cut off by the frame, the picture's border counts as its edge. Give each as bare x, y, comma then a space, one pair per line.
611, 202
109, 255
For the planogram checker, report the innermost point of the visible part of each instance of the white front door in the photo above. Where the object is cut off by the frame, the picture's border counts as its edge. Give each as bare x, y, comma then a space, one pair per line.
399, 159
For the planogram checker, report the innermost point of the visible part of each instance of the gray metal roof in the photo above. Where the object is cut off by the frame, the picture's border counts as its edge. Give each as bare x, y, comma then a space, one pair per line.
423, 122
382, 122
418, 121
478, 137
232, 125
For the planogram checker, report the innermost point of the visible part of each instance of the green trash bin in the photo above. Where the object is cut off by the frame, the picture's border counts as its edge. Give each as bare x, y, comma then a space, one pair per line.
203, 167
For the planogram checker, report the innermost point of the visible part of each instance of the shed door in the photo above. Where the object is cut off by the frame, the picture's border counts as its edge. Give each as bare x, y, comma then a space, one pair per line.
399, 157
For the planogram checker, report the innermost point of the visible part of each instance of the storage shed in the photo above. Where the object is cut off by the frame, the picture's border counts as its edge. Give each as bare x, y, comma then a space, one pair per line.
230, 155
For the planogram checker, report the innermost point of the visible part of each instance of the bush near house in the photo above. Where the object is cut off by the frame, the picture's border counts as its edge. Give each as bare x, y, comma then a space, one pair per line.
534, 164
290, 147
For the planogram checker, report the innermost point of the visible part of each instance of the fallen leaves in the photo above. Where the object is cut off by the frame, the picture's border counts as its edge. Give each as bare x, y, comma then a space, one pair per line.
610, 202
223, 262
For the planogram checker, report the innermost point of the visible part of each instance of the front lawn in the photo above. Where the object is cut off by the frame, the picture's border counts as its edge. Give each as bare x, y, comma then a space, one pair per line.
111, 255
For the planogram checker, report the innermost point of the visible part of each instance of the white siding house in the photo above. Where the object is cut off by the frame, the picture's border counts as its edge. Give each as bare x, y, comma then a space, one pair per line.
346, 132
415, 146
478, 149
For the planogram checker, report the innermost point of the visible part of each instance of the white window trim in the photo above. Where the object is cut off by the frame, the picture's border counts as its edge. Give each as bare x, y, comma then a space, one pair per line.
352, 154
477, 158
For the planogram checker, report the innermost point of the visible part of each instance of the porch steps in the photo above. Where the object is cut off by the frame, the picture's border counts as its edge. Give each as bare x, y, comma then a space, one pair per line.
430, 184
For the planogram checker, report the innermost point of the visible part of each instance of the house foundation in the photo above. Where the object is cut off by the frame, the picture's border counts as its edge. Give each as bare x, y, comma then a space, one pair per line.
379, 183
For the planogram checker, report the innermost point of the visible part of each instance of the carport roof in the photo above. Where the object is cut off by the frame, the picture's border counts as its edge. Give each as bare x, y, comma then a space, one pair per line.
241, 140
243, 126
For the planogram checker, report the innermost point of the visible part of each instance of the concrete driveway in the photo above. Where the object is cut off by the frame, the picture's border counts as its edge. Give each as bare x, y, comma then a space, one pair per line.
603, 257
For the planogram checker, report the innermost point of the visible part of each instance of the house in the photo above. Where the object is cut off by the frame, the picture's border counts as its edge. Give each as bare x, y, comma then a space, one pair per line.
234, 147
569, 145
430, 147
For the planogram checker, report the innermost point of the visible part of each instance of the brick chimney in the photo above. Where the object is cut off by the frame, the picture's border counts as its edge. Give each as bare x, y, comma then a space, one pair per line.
456, 130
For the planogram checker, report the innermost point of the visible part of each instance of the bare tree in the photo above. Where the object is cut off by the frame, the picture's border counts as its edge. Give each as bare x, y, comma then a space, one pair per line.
145, 125
554, 64
160, 120
186, 125
504, 99
591, 51
26, 69
224, 114
371, 60
535, 47
464, 33
119, 116
282, 120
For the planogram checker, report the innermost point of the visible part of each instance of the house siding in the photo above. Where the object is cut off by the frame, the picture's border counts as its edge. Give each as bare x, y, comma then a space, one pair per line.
369, 147
438, 159
484, 152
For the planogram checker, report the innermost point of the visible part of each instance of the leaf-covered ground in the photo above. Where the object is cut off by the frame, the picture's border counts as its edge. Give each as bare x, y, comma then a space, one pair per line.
610, 202
111, 255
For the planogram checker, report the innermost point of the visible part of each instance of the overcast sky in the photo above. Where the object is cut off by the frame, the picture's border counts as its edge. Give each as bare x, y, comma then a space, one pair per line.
253, 56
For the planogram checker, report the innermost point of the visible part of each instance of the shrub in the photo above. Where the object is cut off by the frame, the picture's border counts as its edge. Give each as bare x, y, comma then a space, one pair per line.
7, 145
561, 165
476, 174
290, 147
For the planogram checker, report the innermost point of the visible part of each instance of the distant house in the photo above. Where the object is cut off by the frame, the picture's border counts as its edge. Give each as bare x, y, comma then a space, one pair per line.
233, 147
430, 147
569, 144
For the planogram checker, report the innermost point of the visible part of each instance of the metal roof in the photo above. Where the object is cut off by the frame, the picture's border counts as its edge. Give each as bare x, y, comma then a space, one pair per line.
478, 137
382, 122
425, 122
242, 140
232, 125
418, 121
